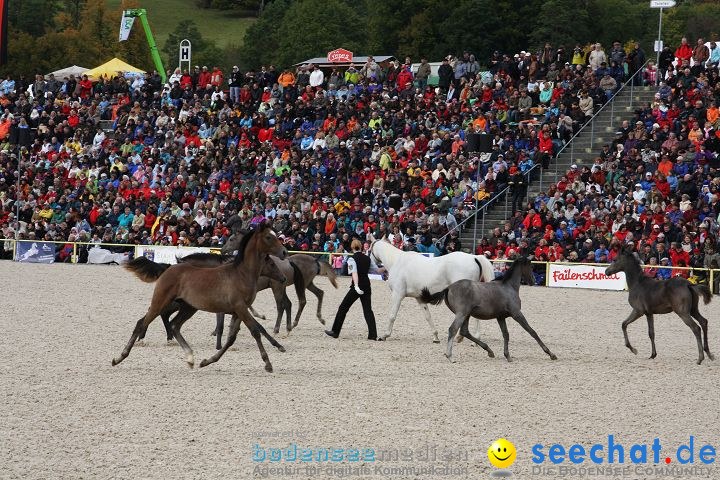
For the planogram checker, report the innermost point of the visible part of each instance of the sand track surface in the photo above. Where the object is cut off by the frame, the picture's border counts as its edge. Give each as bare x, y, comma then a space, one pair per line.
67, 413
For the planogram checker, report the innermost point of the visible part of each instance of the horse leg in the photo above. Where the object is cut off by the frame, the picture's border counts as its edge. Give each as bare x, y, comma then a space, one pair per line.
634, 315
256, 314
651, 333
319, 294
506, 337
452, 331
165, 316
428, 319
704, 324
696, 330
186, 311
219, 326
280, 307
232, 335
394, 307
140, 327
272, 341
255, 332
465, 332
301, 306
520, 318
476, 323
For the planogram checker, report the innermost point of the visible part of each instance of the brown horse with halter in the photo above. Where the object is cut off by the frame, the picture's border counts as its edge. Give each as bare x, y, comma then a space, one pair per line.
149, 271
230, 287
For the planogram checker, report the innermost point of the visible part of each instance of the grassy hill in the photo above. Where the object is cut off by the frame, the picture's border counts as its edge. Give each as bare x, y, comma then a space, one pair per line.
223, 27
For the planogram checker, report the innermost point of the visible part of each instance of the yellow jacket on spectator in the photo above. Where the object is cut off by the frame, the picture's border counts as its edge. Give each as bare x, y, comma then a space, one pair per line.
46, 212
385, 160
375, 122
352, 77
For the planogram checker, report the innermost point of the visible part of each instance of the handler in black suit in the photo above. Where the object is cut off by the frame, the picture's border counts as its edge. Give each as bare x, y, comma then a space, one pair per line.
358, 267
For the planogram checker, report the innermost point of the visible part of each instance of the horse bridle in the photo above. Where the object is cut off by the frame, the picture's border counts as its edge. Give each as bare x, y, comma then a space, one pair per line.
378, 263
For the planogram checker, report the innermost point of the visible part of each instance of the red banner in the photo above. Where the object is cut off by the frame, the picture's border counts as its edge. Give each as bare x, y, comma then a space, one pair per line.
340, 55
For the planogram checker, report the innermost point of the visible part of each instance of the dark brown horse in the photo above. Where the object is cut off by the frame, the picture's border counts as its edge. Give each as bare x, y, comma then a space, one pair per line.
648, 296
228, 288
149, 271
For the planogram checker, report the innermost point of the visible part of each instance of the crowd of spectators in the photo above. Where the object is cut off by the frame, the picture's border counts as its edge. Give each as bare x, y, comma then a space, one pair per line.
328, 155
654, 188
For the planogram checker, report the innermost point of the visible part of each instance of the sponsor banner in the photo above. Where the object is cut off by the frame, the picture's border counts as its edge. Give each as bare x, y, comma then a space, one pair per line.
126, 25
340, 55
583, 276
35, 252
163, 254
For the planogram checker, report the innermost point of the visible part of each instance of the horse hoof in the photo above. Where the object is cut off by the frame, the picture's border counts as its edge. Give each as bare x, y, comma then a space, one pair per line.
115, 361
268, 368
710, 356
204, 363
281, 348
276, 331
140, 343
699, 362
491, 354
436, 340
508, 358
322, 321
451, 358
652, 357
633, 349
553, 357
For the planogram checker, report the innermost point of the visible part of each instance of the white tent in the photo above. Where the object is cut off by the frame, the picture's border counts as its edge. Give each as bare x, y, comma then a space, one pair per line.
66, 72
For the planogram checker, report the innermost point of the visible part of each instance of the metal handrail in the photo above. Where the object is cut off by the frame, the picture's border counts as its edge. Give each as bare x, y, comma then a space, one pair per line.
590, 122
484, 207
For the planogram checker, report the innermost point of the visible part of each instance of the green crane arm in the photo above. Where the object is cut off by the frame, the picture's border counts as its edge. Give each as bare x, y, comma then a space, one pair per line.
142, 14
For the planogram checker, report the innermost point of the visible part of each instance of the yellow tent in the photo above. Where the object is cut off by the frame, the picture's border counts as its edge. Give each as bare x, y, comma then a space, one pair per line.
111, 69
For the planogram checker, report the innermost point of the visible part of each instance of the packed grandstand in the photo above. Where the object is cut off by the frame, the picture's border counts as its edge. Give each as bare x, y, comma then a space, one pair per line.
328, 154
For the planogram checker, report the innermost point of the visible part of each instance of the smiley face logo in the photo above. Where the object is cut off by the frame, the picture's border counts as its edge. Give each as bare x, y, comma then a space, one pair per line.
502, 453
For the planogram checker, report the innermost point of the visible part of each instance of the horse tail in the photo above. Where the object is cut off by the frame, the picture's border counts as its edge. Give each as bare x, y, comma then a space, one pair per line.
298, 281
703, 290
146, 270
486, 269
433, 298
326, 270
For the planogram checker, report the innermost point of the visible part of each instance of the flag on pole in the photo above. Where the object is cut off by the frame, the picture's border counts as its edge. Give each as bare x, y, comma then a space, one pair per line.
125, 26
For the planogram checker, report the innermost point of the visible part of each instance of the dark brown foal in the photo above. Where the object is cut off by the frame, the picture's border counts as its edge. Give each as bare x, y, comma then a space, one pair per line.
228, 288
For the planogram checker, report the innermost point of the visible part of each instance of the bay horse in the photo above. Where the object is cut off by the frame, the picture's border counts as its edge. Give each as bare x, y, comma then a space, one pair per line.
300, 270
149, 271
410, 272
230, 287
498, 299
648, 296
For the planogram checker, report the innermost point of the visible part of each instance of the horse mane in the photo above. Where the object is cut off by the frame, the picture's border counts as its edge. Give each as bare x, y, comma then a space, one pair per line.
204, 256
509, 272
243, 245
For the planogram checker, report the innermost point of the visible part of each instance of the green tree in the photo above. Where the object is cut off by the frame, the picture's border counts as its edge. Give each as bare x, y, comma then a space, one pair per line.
311, 28
561, 22
691, 20
32, 16
261, 38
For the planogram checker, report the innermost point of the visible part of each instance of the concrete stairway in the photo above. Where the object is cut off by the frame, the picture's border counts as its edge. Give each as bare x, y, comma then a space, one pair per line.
582, 150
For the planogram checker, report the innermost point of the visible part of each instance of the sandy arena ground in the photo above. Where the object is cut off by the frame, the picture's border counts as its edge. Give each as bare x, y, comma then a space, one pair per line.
66, 413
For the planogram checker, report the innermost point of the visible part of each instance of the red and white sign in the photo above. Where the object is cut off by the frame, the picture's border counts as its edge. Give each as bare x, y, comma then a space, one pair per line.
583, 276
340, 56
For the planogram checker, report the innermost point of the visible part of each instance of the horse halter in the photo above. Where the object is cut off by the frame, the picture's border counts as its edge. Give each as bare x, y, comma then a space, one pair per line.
378, 263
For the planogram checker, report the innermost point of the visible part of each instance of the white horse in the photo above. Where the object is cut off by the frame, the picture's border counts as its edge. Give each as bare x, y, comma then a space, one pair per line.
410, 272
